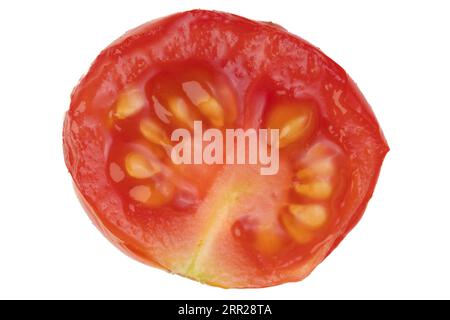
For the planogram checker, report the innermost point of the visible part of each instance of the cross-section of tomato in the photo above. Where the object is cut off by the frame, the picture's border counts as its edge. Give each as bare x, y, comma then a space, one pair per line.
228, 223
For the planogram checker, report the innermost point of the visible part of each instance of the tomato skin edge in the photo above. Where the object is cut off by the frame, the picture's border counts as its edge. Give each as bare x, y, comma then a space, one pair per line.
384, 150
360, 211
112, 234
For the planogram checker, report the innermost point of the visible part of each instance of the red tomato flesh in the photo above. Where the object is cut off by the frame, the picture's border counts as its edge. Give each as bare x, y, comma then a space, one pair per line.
222, 224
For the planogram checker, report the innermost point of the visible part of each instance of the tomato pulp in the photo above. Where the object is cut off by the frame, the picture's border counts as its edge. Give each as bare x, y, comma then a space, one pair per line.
222, 223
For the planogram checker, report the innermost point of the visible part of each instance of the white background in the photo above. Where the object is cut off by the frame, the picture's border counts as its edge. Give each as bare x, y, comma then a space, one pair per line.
397, 51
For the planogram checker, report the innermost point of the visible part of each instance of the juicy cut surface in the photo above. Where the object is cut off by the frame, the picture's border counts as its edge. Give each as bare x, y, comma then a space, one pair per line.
164, 141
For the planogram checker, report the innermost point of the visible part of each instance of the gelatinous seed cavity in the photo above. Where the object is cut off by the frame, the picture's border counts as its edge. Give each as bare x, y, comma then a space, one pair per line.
296, 230
115, 172
316, 174
319, 190
129, 103
292, 121
319, 168
140, 167
213, 111
195, 92
267, 241
181, 111
208, 106
162, 193
140, 193
312, 215
153, 132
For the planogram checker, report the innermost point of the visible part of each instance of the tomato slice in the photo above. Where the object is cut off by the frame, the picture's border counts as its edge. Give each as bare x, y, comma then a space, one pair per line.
223, 223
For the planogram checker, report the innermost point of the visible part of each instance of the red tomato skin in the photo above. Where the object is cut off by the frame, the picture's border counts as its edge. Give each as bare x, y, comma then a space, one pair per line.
234, 45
